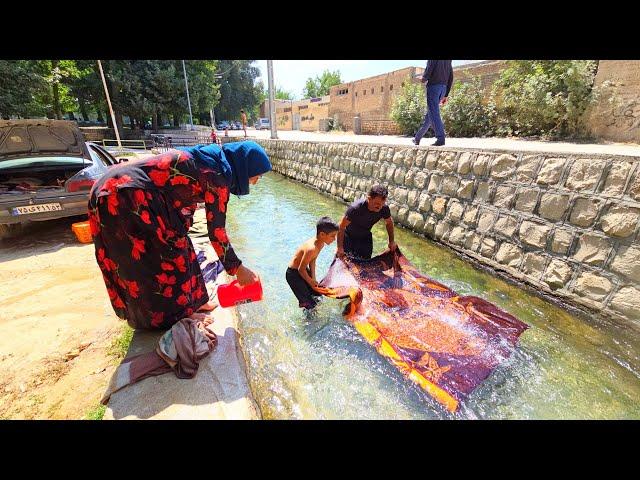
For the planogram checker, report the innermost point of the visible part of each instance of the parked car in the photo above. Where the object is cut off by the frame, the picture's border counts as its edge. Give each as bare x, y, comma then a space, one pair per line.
222, 125
263, 124
46, 171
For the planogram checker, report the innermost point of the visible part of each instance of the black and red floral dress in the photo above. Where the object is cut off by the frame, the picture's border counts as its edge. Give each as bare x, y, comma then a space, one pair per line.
140, 213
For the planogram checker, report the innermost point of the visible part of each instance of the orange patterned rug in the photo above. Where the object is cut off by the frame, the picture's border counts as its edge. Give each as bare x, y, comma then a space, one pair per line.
446, 343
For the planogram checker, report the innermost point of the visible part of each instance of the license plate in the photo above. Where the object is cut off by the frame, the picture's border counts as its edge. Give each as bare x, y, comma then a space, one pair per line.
43, 207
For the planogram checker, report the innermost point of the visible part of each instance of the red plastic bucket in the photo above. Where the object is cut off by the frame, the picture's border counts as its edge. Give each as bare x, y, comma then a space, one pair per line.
233, 294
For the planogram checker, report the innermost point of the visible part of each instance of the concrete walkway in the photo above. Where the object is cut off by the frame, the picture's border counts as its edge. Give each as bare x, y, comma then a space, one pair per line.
219, 391
469, 143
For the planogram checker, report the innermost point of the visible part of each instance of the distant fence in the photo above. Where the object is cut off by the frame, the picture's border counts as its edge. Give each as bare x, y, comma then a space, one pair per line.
135, 144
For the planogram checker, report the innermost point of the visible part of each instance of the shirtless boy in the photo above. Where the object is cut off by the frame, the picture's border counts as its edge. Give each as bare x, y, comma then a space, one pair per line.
301, 274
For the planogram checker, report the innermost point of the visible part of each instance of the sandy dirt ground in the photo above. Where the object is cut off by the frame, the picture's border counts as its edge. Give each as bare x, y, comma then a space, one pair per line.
56, 325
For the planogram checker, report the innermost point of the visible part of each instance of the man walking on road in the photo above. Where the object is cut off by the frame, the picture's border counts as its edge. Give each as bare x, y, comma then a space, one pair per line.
438, 78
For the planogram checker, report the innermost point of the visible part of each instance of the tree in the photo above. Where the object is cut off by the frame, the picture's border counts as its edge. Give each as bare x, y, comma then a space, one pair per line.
467, 113
282, 94
409, 107
321, 85
237, 88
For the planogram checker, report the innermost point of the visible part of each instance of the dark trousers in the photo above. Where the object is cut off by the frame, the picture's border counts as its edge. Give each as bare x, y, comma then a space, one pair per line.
358, 247
301, 289
435, 93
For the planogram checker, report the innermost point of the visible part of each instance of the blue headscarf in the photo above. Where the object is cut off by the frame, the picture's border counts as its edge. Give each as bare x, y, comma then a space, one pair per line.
237, 161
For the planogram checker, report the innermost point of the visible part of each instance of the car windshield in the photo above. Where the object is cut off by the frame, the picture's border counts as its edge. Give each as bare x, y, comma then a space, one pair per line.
43, 162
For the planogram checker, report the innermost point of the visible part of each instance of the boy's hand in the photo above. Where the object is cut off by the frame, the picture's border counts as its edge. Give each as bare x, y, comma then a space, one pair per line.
393, 246
314, 283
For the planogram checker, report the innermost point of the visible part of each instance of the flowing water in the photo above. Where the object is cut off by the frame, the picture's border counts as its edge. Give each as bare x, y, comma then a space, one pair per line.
566, 366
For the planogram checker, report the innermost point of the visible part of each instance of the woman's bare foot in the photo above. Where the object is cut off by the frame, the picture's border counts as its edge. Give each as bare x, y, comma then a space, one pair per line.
207, 307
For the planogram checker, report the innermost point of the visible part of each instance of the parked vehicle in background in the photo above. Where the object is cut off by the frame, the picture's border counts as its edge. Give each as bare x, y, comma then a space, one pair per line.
46, 171
263, 124
222, 125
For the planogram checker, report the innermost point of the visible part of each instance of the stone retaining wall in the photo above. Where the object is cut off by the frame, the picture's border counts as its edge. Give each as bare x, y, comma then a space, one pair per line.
566, 224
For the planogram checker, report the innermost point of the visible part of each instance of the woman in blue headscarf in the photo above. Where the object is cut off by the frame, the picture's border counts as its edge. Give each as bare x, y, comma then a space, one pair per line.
140, 213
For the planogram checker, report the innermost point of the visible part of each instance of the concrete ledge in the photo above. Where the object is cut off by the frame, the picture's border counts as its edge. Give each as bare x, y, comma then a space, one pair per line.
219, 391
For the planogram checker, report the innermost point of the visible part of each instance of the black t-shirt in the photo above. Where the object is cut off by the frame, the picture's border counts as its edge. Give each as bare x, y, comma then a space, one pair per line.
362, 219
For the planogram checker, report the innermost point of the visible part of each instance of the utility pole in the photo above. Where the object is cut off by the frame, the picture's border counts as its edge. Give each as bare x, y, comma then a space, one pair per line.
113, 117
272, 110
186, 84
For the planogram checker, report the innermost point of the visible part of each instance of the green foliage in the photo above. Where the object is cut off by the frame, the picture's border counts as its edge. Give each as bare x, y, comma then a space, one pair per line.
238, 89
120, 345
320, 86
282, 94
96, 413
466, 113
409, 107
544, 97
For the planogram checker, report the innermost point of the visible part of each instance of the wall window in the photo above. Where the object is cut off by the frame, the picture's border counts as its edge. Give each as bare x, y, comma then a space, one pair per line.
364, 92
390, 87
302, 107
382, 89
372, 91
356, 94
344, 91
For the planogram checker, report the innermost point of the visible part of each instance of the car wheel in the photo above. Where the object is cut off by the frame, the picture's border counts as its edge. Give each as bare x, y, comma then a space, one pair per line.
11, 230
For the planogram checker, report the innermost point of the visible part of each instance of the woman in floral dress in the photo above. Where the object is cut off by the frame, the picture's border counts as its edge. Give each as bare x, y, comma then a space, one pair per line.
140, 213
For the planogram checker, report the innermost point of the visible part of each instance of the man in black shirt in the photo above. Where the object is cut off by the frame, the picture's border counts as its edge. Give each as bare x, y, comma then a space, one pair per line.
354, 236
438, 78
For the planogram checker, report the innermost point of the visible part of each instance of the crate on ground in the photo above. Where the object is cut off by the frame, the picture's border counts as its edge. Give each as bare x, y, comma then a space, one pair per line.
82, 231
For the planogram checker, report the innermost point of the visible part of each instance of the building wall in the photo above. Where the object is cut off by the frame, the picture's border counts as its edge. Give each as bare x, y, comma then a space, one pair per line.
616, 117
568, 225
310, 110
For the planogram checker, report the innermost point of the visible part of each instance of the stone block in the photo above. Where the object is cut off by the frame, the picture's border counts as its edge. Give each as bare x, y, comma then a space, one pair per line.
557, 274
626, 301
465, 190
449, 185
439, 206
509, 254
446, 162
526, 171
627, 262
617, 178
526, 200
592, 249
483, 192
470, 214
420, 180
503, 197
400, 195
584, 212
553, 206
455, 211
505, 226
533, 265
561, 241
431, 160
551, 171
415, 221
398, 175
486, 221
503, 166
480, 165
593, 286
620, 221
442, 228
412, 198
488, 247
424, 204
434, 183
464, 163
585, 174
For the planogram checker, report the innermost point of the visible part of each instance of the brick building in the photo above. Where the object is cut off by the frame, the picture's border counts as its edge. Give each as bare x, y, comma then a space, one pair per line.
302, 114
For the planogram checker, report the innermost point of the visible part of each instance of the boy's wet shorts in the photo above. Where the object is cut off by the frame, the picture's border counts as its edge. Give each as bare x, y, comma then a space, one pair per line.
304, 293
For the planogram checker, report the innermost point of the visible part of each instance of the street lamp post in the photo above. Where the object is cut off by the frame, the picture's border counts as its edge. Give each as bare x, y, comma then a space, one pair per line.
272, 110
186, 84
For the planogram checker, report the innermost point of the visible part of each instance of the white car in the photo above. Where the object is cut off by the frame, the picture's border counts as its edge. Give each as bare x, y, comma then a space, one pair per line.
263, 124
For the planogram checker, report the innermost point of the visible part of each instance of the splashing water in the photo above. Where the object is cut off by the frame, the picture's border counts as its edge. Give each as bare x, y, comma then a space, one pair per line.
316, 365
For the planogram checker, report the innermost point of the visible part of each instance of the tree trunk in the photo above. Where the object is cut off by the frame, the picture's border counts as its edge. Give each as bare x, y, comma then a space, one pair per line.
154, 122
160, 122
83, 109
99, 114
176, 120
56, 93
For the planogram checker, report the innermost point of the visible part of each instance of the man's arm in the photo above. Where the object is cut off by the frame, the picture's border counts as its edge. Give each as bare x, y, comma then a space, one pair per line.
312, 266
343, 225
428, 71
389, 224
302, 268
449, 83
